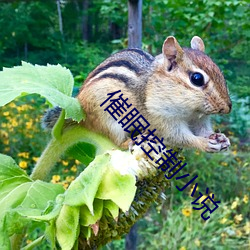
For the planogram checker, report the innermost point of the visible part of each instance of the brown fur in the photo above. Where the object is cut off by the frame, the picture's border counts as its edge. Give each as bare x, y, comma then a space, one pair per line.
161, 90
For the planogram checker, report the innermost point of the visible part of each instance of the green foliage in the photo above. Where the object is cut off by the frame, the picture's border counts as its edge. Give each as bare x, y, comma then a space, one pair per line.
100, 191
30, 32
83, 152
24, 200
19, 198
52, 82
222, 24
182, 228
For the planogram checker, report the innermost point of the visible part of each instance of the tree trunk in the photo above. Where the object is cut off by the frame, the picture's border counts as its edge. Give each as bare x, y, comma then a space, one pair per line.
135, 23
85, 20
59, 16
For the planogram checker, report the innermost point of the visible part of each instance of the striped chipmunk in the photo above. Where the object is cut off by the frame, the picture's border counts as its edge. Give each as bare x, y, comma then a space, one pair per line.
175, 92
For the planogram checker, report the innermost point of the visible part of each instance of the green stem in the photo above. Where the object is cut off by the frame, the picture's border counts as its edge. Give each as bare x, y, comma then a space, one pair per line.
57, 147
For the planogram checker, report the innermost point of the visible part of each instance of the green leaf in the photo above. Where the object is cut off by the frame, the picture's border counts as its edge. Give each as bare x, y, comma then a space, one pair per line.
53, 82
83, 189
112, 207
6, 186
67, 226
86, 218
4, 240
39, 194
9, 168
86, 231
48, 216
26, 202
83, 152
118, 188
50, 234
20, 197
14, 198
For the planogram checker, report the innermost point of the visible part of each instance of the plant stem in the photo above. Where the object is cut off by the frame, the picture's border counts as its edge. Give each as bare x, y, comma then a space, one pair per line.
16, 240
57, 147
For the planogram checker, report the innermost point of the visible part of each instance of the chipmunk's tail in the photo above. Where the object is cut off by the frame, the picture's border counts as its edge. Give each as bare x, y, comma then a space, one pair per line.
50, 117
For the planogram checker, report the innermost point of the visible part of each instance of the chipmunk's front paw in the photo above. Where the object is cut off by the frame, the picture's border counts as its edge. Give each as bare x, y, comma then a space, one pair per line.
218, 142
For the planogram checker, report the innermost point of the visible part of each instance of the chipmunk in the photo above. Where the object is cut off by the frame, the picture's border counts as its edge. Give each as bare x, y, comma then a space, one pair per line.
175, 92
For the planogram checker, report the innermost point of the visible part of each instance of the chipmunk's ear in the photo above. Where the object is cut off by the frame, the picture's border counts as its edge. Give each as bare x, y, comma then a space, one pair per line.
171, 49
197, 43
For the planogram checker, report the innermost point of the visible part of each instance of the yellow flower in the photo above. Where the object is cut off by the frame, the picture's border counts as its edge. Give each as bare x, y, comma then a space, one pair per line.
4, 134
24, 154
70, 178
186, 211
245, 199
182, 248
77, 162
55, 178
29, 124
234, 204
65, 185
6, 141
234, 152
14, 123
223, 221
247, 228
238, 218
197, 242
65, 163
12, 105
35, 159
224, 164
23, 164
73, 168
6, 113
23, 107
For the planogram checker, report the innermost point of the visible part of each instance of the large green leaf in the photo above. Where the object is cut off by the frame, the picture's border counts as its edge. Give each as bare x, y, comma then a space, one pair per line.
21, 197
67, 226
83, 189
53, 82
6, 186
86, 218
101, 180
118, 188
83, 152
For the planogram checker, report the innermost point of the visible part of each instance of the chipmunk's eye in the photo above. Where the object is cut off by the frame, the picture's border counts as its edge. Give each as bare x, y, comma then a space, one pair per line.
197, 79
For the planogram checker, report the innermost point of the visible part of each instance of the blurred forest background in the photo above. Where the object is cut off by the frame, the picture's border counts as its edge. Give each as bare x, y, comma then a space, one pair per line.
79, 34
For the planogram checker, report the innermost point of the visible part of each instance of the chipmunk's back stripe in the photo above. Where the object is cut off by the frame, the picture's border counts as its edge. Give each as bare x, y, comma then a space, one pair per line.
142, 53
119, 63
118, 77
